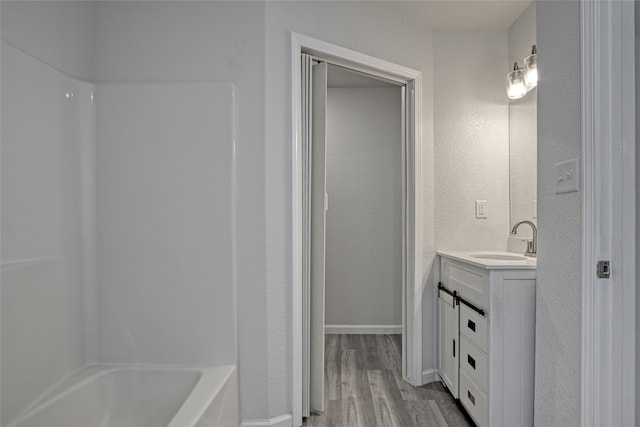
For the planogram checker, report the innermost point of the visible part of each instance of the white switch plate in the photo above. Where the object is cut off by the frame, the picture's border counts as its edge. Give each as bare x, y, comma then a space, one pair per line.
481, 209
567, 176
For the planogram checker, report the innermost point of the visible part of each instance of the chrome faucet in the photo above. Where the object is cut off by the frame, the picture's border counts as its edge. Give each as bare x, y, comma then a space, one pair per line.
532, 245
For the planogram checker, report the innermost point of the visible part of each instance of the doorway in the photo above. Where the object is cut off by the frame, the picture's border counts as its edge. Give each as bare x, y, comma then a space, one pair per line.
303, 338
353, 215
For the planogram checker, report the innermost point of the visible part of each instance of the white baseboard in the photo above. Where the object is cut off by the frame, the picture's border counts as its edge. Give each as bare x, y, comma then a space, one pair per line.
363, 329
429, 376
285, 420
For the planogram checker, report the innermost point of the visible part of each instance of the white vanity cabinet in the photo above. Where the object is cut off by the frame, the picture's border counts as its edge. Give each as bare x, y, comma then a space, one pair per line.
495, 335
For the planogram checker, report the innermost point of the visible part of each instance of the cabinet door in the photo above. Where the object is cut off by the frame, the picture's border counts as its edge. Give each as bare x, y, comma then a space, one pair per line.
449, 342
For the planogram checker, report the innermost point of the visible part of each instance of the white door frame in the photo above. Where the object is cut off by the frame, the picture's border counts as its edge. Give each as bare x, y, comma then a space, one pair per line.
608, 213
412, 289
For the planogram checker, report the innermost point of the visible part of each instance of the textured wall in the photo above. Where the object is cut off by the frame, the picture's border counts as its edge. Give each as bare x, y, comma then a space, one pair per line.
523, 135
364, 220
471, 139
557, 395
354, 25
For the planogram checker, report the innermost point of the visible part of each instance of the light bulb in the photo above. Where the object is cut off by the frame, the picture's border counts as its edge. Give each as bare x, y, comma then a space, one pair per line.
531, 68
516, 86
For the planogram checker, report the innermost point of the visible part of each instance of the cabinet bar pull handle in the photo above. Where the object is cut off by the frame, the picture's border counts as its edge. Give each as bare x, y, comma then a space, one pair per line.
454, 348
471, 306
471, 325
471, 398
471, 361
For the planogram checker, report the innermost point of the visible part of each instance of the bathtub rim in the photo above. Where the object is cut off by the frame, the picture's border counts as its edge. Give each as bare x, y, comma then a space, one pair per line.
210, 383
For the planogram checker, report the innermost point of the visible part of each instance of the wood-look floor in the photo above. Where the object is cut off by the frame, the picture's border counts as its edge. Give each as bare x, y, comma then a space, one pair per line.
364, 388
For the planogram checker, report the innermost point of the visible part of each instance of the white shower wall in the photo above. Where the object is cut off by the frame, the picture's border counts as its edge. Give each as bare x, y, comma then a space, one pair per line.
44, 240
165, 204
44, 245
166, 221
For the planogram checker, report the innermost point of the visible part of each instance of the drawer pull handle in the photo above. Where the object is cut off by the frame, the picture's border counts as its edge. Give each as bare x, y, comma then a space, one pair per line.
471, 325
471, 361
471, 398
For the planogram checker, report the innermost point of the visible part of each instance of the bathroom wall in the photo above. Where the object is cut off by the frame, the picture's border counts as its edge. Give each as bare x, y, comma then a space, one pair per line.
471, 131
203, 42
557, 391
58, 33
522, 35
354, 25
523, 124
46, 245
364, 220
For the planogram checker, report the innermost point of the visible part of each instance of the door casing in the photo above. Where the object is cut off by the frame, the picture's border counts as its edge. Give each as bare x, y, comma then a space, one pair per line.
412, 238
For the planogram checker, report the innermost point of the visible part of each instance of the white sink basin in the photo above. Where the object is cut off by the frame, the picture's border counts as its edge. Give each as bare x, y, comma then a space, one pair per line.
499, 257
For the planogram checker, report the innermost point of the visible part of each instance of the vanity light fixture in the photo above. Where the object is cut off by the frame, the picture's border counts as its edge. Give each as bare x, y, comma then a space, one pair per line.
531, 68
516, 86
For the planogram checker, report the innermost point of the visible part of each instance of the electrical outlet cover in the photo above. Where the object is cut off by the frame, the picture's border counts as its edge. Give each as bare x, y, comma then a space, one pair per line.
567, 176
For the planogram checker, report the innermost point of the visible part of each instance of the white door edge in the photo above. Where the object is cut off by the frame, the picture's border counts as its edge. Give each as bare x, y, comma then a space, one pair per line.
608, 213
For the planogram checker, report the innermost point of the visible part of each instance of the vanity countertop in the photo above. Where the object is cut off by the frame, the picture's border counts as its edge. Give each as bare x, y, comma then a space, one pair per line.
493, 260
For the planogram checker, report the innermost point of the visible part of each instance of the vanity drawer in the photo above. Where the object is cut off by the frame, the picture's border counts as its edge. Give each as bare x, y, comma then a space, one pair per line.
471, 283
473, 400
474, 327
474, 363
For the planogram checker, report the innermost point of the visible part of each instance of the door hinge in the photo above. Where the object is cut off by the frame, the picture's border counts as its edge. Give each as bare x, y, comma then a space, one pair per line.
603, 270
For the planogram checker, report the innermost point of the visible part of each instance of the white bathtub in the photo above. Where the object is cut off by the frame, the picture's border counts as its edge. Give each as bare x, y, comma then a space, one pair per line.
101, 396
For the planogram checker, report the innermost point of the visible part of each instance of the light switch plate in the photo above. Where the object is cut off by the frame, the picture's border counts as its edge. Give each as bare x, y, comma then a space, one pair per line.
481, 209
567, 176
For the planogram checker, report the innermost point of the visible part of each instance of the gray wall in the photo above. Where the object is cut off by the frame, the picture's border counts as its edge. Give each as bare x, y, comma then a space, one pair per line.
557, 394
364, 221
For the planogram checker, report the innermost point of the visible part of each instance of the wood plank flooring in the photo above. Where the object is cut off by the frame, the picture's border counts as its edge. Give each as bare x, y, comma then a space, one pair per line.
364, 388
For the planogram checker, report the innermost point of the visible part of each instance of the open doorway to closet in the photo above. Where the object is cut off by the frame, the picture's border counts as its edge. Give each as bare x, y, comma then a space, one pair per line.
363, 280
352, 218
356, 187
